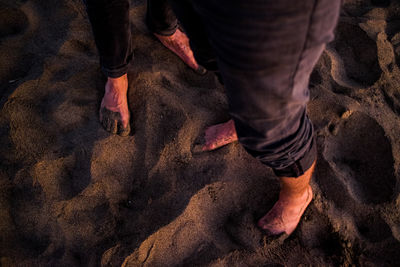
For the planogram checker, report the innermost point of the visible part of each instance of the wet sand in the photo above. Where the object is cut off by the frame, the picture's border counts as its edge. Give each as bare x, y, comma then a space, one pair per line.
73, 195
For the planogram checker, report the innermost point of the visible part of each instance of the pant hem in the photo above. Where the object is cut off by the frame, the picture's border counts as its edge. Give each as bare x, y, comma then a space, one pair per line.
298, 168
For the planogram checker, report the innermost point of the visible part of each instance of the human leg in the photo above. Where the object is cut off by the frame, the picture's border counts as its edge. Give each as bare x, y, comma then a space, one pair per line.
114, 112
221, 134
112, 33
178, 43
194, 29
111, 28
160, 17
266, 51
162, 21
294, 197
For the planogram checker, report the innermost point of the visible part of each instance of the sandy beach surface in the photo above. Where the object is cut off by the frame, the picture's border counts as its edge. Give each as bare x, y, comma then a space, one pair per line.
73, 195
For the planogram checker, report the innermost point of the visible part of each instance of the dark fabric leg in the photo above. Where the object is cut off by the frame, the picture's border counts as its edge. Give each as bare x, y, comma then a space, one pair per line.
111, 29
266, 51
194, 29
160, 18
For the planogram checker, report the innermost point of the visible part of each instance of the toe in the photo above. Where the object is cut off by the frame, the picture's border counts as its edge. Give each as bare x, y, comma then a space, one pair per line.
123, 131
263, 222
113, 126
107, 124
200, 70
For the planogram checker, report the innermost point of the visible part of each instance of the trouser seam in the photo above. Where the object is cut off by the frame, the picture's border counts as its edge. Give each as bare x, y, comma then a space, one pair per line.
310, 21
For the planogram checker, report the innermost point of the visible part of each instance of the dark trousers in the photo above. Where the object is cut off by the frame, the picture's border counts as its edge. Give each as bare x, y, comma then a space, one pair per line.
160, 18
265, 52
111, 28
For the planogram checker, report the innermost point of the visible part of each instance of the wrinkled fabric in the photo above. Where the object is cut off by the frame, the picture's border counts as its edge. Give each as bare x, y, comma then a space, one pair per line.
112, 32
265, 52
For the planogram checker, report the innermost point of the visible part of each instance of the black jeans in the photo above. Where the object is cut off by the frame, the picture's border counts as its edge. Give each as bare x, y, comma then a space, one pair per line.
160, 18
265, 52
111, 28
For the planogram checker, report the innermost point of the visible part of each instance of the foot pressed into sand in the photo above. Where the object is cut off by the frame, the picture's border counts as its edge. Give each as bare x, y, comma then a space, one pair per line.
219, 135
296, 194
178, 43
114, 111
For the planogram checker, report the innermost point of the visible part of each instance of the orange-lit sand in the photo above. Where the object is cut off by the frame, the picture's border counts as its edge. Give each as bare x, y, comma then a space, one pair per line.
73, 195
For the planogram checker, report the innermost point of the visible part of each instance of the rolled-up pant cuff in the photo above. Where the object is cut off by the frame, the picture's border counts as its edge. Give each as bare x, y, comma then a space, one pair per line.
115, 72
160, 18
300, 166
164, 31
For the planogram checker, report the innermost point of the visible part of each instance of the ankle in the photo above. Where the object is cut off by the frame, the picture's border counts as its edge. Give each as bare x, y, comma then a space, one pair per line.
117, 85
291, 195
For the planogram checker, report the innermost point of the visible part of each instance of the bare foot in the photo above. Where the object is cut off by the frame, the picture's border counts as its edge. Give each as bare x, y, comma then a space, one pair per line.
114, 111
217, 136
179, 44
286, 213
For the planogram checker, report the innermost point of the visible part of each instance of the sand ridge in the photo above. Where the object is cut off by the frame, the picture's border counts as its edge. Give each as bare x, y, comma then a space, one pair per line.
73, 195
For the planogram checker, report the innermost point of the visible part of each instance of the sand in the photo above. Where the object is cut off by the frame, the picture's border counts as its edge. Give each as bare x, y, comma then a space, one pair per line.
73, 195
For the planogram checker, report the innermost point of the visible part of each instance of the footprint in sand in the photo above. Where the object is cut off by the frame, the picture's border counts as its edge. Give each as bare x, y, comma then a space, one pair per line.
373, 227
196, 232
353, 55
390, 51
361, 155
13, 21
16, 62
318, 235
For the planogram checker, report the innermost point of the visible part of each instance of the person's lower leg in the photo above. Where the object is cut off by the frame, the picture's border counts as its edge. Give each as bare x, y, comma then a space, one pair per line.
114, 111
294, 197
178, 43
111, 29
162, 21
